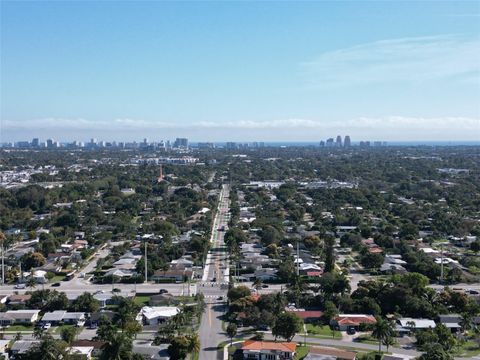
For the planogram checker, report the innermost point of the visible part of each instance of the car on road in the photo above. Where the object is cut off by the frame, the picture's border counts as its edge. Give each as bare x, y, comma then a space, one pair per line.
20, 286
98, 292
264, 286
57, 284
351, 330
47, 326
220, 298
162, 291
116, 290
214, 279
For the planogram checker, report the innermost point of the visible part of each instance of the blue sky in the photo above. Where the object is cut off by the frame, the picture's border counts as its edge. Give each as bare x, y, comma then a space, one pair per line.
213, 71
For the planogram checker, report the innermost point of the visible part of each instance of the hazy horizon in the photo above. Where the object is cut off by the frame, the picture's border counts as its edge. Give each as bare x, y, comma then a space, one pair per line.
230, 71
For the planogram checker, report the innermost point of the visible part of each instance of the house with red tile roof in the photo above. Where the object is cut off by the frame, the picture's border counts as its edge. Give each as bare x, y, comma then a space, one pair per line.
307, 315
346, 321
268, 350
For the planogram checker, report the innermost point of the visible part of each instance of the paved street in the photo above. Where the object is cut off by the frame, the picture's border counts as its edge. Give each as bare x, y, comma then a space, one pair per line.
215, 282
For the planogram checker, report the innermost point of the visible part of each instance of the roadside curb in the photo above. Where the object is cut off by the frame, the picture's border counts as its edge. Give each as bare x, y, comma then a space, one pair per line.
226, 347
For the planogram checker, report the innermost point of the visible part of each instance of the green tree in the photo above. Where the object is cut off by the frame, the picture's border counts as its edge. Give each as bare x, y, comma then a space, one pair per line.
179, 348
435, 351
238, 292
68, 334
47, 349
86, 303
286, 325
231, 331
330, 311
381, 330
106, 330
117, 347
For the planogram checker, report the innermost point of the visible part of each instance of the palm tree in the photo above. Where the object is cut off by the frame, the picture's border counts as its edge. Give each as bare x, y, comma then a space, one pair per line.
381, 330
31, 283
388, 341
38, 332
118, 347
465, 322
257, 284
193, 343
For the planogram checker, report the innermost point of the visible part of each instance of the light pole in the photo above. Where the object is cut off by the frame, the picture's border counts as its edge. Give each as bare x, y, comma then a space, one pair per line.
146, 267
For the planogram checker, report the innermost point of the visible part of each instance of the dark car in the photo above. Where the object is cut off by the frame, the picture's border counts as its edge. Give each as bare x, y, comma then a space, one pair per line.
162, 291
264, 286
351, 330
56, 284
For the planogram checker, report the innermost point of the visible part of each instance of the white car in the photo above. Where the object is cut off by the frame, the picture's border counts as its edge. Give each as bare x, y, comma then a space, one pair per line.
20, 286
47, 326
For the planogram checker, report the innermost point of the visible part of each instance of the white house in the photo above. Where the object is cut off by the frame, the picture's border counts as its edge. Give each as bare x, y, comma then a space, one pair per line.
152, 315
19, 317
268, 350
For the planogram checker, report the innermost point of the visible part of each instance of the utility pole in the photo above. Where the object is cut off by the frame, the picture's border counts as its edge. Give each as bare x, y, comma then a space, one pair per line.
441, 263
146, 267
3, 265
298, 260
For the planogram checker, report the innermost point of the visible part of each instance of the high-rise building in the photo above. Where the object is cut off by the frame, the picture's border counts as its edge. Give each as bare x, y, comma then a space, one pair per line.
181, 143
35, 142
231, 145
347, 142
329, 142
322, 143
50, 143
338, 142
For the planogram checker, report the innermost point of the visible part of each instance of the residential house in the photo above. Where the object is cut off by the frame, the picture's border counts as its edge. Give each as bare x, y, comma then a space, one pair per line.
328, 353
175, 275
18, 299
94, 319
152, 315
19, 317
20, 347
407, 325
308, 316
4, 348
61, 316
268, 350
103, 299
397, 357
345, 321
150, 351
81, 352
96, 344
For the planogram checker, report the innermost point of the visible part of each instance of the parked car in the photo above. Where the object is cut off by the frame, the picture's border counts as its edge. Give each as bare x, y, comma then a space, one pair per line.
56, 284
20, 286
351, 330
47, 326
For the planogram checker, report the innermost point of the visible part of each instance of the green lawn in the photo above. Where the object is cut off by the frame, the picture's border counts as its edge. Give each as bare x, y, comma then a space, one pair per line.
323, 331
469, 349
58, 329
19, 328
301, 352
142, 300
57, 278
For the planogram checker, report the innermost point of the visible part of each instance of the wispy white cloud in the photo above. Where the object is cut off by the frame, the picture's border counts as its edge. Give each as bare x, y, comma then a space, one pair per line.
387, 122
412, 60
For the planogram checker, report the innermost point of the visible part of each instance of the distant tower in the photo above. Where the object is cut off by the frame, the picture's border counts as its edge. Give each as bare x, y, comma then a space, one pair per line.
338, 143
160, 177
347, 142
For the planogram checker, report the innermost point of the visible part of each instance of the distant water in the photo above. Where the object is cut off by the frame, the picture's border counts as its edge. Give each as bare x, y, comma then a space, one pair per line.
389, 143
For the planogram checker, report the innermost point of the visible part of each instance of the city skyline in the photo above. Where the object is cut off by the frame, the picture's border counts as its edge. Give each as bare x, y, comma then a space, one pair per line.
240, 71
